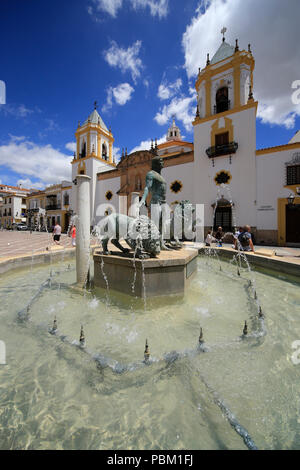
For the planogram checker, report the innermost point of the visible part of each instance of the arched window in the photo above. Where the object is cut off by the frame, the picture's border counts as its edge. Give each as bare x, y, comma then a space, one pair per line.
222, 101
104, 152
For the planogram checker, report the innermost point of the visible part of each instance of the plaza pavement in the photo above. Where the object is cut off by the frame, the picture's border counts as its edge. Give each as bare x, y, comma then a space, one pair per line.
15, 244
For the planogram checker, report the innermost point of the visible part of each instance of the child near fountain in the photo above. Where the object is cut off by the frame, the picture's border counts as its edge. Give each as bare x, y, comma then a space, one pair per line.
209, 239
73, 235
219, 235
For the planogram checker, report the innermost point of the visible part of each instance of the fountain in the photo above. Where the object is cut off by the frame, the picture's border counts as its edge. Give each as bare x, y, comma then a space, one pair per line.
158, 269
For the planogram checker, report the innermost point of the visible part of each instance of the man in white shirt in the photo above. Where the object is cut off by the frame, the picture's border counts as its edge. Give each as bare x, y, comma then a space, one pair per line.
57, 234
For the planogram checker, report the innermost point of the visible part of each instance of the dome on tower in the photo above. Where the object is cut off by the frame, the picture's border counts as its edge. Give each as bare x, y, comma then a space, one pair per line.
95, 118
224, 51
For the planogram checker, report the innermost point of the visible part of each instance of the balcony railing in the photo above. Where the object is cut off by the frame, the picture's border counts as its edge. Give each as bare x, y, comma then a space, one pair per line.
220, 150
53, 207
221, 107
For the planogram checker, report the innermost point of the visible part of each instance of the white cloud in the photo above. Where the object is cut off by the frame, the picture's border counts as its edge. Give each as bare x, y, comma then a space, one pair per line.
167, 90
274, 45
15, 138
117, 154
109, 6
30, 160
157, 7
19, 111
28, 184
146, 144
183, 109
71, 146
121, 94
125, 59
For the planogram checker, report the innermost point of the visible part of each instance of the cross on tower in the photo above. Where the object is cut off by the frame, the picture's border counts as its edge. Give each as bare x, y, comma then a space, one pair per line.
95, 104
223, 31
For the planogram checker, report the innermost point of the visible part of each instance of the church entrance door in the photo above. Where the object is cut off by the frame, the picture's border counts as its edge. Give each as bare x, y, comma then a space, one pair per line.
293, 223
223, 218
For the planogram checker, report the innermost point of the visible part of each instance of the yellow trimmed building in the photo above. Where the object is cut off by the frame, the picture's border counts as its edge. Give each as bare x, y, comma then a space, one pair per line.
222, 169
58, 205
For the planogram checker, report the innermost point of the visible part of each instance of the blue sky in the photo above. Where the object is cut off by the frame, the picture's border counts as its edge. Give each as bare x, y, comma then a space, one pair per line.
138, 59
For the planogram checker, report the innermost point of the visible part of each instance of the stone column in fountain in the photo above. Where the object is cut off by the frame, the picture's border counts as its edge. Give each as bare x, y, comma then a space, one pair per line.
83, 229
134, 210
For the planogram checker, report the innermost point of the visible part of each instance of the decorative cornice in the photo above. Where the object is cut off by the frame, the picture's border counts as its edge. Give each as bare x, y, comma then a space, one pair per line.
278, 148
252, 104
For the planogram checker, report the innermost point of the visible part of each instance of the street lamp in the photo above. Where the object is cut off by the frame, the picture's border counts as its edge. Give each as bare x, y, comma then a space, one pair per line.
291, 199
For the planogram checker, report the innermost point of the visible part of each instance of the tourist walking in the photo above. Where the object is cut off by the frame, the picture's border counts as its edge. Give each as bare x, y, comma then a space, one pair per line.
57, 234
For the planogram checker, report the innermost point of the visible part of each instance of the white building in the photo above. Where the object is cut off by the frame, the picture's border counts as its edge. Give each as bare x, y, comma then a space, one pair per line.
222, 166
12, 205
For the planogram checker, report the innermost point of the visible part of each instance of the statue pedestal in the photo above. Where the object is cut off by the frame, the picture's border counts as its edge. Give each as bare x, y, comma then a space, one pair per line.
165, 275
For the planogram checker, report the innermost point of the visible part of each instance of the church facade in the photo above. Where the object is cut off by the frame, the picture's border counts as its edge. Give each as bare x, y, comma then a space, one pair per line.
221, 169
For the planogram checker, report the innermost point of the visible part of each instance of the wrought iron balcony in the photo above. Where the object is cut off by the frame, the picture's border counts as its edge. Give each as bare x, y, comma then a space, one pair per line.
53, 207
220, 150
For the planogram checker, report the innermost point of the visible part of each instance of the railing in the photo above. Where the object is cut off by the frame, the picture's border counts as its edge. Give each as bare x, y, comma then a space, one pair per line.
53, 207
219, 150
221, 107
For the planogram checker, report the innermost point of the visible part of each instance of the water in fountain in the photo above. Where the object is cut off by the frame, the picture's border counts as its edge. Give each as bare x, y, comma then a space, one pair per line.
51, 380
241, 256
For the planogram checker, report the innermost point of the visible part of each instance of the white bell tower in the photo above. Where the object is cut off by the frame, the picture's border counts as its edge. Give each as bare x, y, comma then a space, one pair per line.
173, 132
225, 134
94, 153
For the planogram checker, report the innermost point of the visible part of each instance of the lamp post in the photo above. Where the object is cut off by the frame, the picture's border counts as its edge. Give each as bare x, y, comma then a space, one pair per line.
291, 199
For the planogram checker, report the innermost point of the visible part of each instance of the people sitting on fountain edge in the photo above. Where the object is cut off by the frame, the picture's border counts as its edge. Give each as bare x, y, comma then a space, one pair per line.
219, 235
209, 239
244, 240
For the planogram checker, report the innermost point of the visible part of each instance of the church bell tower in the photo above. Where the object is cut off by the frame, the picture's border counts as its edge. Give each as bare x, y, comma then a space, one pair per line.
94, 152
225, 135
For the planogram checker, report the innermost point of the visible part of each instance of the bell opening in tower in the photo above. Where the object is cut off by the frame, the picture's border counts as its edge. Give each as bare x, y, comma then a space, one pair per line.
222, 101
104, 152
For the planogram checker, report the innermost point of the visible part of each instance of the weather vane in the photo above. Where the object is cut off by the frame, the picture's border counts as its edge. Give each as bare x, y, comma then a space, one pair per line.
223, 31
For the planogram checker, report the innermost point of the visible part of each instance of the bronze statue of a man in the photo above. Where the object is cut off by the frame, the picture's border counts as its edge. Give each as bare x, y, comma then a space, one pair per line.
156, 185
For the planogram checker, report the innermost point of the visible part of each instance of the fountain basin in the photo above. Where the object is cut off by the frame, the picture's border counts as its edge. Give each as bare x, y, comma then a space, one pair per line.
167, 274
54, 395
